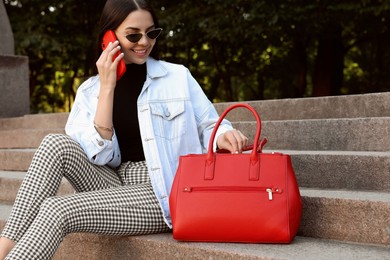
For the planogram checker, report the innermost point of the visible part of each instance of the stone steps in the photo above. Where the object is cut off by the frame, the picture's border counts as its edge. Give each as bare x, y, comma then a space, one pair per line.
344, 215
162, 246
340, 149
351, 106
345, 134
34, 121
24, 138
364, 215
10, 182
15, 159
342, 169
317, 169
356, 134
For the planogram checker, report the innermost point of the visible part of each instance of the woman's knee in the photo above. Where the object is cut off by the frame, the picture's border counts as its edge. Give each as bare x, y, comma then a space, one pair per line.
58, 140
59, 143
53, 210
64, 213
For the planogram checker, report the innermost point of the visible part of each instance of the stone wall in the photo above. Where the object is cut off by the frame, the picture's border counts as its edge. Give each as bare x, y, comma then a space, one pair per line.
6, 36
14, 73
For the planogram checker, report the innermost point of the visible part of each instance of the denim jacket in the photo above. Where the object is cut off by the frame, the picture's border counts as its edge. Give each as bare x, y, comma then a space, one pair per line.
175, 118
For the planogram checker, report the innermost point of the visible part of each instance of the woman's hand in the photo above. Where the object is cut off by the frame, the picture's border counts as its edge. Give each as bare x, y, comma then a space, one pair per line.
107, 67
232, 140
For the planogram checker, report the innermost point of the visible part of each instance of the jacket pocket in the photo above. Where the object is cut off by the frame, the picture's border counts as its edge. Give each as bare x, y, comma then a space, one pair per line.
168, 119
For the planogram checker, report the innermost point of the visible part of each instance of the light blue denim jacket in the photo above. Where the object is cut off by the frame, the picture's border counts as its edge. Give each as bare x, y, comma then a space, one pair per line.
175, 118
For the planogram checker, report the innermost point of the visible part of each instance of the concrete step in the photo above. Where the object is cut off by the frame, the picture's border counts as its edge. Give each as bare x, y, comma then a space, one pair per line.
35, 121
162, 246
314, 169
356, 134
341, 169
16, 159
350, 106
10, 182
364, 215
340, 148
354, 216
25, 138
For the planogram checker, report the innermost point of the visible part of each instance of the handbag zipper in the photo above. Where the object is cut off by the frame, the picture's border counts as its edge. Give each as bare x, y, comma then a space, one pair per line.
270, 191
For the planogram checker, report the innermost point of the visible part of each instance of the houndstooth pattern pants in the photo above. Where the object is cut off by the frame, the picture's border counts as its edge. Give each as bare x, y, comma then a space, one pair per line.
108, 201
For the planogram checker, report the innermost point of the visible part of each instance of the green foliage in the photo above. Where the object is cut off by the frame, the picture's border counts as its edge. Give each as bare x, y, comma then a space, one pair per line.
59, 39
277, 49
236, 49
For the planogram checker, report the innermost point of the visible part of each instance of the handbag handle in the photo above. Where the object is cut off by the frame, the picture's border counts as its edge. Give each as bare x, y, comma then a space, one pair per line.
249, 147
254, 157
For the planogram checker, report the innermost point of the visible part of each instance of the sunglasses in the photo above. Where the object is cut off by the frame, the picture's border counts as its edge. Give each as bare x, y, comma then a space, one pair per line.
152, 34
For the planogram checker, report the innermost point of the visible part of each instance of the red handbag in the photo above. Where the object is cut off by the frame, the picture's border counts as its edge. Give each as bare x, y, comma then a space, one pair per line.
222, 197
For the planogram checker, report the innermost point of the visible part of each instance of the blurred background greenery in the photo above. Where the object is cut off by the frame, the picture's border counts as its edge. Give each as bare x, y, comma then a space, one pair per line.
237, 49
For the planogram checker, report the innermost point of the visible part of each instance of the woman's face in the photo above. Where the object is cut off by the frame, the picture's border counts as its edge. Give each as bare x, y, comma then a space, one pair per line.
139, 21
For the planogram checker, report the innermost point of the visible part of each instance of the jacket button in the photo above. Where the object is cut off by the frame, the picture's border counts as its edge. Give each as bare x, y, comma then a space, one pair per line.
100, 143
167, 114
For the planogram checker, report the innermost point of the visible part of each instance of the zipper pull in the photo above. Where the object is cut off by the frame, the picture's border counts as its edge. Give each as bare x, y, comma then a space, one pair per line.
187, 189
269, 193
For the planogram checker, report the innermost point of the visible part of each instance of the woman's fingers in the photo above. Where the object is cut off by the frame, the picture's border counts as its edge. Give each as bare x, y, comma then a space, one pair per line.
232, 140
107, 56
107, 65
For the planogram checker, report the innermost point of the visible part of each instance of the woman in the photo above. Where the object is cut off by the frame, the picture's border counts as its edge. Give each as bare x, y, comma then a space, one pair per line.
122, 146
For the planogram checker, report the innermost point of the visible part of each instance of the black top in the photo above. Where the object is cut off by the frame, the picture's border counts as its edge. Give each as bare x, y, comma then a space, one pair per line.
125, 118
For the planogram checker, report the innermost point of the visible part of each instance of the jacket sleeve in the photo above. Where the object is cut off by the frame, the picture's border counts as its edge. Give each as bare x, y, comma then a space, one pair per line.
80, 127
206, 114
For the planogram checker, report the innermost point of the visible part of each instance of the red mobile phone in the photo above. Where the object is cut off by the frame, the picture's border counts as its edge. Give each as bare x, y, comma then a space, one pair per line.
108, 37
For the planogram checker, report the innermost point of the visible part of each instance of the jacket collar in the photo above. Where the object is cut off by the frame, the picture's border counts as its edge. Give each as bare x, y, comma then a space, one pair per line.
155, 69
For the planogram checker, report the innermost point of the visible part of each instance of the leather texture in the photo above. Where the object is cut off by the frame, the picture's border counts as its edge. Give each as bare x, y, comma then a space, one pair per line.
251, 197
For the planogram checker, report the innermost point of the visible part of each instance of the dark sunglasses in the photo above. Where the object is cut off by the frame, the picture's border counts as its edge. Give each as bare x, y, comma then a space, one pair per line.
152, 34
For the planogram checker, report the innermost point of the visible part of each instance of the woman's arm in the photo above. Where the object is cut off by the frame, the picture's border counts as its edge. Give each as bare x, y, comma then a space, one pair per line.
226, 137
90, 120
81, 128
107, 74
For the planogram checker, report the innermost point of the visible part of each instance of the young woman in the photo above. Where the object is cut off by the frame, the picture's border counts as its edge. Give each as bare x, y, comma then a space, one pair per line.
122, 146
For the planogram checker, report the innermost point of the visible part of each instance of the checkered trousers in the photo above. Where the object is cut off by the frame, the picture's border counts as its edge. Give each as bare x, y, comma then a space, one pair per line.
108, 201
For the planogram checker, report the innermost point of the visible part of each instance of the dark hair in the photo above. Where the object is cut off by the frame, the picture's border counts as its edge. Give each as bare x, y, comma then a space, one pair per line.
116, 11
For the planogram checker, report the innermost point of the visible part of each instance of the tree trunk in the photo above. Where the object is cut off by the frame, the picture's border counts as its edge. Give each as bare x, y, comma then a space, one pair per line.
213, 91
329, 64
301, 82
260, 83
